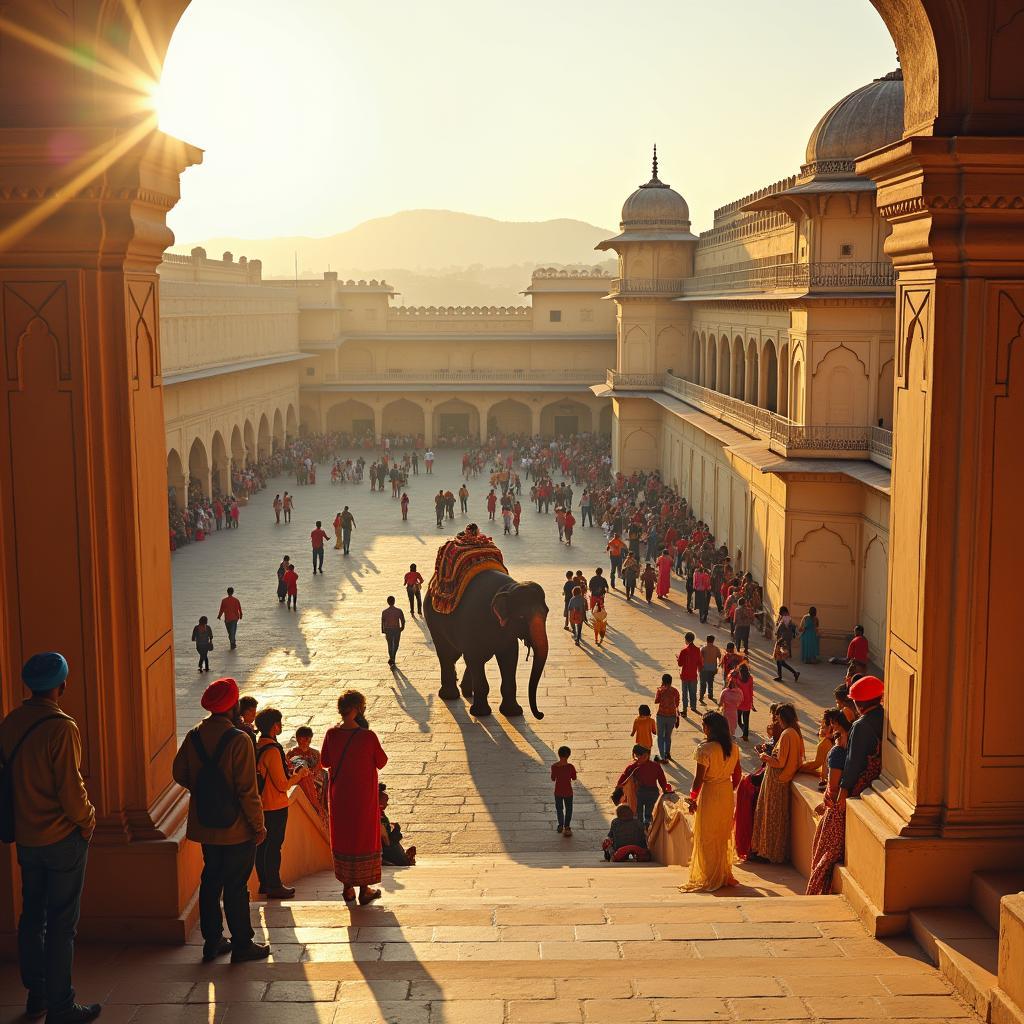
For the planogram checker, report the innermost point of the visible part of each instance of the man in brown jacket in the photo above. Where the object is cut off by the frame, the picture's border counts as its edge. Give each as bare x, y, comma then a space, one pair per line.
222, 782
53, 823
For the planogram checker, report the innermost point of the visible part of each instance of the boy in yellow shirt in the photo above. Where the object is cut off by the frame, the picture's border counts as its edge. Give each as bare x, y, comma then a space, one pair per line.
599, 620
644, 727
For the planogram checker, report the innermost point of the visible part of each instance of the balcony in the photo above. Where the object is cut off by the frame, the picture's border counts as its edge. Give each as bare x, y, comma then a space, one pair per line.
842, 275
513, 378
641, 286
784, 437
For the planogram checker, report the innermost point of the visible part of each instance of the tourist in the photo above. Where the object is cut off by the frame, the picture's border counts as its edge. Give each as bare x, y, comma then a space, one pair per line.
278, 505
348, 524
781, 653
336, 525
829, 845
648, 578
667, 698
568, 525
202, 637
745, 681
274, 780
809, 645
743, 618
627, 838
439, 508
842, 697
598, 587
816, 765
710, 656
702, 591
630, 572
218, 512
291, 587
649, 777
857, 654
645, 727
428, 458
304, 755
577, 612
317, 538
517, 516
53, 823
689, 661
563, 774
492, 503
392, 852
464, 499
392, 623
353, 756
599, 620
404, 502
560, 522
226, 820
712, 803
413, 584
506, 515
231, 612
234, 515
864, 755
770, 837
567, 588
730, 661
729, 701
247, 707
615, 548
785, 627
664, 566
282, 587
287, 504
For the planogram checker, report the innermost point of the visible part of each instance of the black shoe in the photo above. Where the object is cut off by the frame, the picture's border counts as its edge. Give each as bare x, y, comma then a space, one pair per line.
75, 1014
35, 1005
254, 951
220, 948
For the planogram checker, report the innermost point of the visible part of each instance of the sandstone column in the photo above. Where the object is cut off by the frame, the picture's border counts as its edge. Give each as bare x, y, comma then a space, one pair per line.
951, 796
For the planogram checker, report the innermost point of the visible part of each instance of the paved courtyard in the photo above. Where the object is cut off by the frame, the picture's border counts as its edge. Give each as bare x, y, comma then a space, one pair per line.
459, 784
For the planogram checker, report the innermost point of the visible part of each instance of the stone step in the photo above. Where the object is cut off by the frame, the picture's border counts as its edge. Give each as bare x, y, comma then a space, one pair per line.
964, 948
989, 887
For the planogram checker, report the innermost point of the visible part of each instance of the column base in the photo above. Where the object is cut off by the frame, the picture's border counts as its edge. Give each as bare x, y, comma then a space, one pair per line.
887, 875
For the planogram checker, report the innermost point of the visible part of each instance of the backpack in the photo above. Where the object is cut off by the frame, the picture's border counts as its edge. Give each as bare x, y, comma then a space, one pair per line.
7, 782
261, 780
216, 803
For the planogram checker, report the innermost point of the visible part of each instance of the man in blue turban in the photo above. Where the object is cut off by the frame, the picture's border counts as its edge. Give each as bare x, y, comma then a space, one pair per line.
53, 821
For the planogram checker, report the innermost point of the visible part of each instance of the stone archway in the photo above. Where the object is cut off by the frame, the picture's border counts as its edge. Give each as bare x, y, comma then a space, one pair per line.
403, 418
696, 348
604, 420
509, 417
351, 417
278, 435
237, 448
220, 472
751, 384
263, 437
768, 397
739, 370
455, 419
724, 376
291, 424
949, 189
199, 468
176, 482
564, 418
249, 436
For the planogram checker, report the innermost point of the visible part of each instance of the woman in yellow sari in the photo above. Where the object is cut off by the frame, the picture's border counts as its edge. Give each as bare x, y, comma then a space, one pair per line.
711, 799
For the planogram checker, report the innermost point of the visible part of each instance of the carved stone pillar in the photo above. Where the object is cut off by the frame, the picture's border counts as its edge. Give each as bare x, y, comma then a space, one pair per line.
83, 495
951, 797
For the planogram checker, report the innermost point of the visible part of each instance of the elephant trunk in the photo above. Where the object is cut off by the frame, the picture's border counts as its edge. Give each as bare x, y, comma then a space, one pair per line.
539, 643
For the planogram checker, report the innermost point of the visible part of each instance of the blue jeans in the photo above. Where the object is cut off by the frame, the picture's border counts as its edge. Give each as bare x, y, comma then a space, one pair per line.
616, 566
51, 891
666, 723
394, 636
707, 682
690, 695
646, 798
318, 559
586, 514
563, 810
231, 625
346, 538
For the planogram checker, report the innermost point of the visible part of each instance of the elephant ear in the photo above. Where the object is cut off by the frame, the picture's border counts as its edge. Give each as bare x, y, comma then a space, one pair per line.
499, 605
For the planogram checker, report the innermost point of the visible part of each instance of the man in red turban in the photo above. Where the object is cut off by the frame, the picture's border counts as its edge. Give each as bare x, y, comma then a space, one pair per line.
864, 748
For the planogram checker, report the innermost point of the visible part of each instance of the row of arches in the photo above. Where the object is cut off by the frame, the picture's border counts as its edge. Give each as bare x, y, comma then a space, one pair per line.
752, 371
208, 463
405, 416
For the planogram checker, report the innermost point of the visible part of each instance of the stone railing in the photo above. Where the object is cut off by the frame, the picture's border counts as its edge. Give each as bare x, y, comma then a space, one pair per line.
545, 273
646, 286
462, 312
804, 277
786, 438
511, 377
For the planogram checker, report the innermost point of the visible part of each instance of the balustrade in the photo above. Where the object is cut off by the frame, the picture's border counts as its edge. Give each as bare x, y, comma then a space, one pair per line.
794, 277
483, 376
647, 286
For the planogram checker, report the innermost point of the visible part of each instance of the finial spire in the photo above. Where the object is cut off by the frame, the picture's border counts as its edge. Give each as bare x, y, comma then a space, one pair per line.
654, 163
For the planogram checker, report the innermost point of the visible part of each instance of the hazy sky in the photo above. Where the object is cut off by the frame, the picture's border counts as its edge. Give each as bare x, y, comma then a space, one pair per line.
318, 114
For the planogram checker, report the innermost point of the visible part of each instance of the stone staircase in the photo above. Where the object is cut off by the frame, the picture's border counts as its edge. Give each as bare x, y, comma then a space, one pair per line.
533, 939
964, 943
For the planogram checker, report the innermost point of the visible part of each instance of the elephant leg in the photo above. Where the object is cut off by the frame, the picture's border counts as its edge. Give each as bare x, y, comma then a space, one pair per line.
447, 656
508, 658
467, 684
478, 678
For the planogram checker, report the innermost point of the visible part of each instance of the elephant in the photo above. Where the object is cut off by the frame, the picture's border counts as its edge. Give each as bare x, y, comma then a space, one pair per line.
494, 614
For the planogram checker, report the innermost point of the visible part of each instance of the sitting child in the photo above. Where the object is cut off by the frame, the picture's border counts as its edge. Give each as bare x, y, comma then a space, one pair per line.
626, 838
391, 837
304, 755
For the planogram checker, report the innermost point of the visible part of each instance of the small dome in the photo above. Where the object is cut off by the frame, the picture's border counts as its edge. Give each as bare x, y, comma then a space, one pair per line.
867, 119
655, 205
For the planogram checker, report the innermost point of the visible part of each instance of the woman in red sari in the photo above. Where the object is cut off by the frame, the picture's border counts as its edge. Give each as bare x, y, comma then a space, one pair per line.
353, 757
664, 564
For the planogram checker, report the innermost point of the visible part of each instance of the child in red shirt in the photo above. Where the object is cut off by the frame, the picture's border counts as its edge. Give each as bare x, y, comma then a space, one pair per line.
563, 774
291, 585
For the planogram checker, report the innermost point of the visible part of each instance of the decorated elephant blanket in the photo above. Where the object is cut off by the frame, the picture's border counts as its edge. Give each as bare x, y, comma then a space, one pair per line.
457, 562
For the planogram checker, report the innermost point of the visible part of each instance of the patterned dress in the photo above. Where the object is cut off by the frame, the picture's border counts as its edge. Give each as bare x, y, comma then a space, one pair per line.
770, 838
353, 757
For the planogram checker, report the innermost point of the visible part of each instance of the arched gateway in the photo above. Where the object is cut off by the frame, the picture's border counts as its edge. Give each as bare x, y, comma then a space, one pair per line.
82, 391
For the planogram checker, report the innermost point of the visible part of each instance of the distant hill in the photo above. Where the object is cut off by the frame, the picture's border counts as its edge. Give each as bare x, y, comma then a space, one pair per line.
432, 256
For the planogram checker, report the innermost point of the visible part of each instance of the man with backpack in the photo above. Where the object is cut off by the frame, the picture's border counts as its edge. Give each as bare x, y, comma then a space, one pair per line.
45, 809
216, 763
